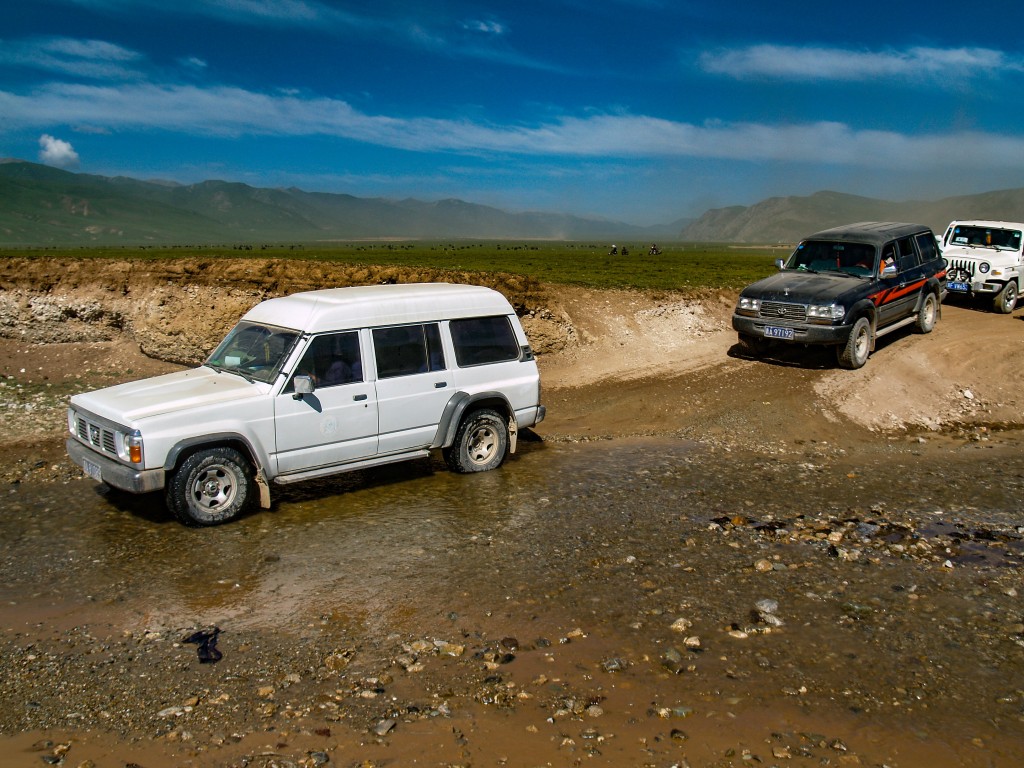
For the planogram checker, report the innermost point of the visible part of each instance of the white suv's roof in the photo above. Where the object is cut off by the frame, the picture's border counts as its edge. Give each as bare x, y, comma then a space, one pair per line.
335, 309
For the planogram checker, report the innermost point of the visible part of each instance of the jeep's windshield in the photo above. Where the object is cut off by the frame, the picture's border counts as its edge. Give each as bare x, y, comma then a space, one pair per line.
985, 237
254, 351
833, 256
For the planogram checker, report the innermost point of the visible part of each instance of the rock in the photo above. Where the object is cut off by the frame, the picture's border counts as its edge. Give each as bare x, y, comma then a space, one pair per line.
384, 727
681, 625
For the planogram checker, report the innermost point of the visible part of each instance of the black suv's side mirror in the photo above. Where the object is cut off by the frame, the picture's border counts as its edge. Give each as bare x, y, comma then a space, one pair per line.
780, 264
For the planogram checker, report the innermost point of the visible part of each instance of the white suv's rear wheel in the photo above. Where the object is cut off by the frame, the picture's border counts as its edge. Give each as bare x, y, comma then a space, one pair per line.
481, 443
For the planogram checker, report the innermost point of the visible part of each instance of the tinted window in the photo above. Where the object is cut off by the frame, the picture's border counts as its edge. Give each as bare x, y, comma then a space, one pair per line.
407, 349
481, 340
331, 360
907, 255
926, 244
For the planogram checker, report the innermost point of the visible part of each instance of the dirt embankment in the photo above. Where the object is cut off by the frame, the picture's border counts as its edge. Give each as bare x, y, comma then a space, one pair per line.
614, 362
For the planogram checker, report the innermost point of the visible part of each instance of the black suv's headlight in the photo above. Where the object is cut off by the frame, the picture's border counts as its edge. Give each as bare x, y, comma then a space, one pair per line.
830, 312
748, 306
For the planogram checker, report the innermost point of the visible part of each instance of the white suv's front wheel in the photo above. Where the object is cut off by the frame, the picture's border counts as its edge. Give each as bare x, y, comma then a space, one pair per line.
210, 487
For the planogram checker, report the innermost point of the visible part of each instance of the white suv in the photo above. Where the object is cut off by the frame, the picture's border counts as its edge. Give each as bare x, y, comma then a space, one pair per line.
984, 258
315, 384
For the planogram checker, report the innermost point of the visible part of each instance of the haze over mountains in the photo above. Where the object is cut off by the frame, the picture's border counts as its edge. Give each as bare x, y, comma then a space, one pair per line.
40, 206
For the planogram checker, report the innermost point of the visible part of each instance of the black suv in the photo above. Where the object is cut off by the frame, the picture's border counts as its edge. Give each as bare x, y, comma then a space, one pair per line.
845, 287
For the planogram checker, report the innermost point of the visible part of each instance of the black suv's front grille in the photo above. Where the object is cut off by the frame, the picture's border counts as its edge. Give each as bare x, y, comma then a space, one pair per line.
782, 311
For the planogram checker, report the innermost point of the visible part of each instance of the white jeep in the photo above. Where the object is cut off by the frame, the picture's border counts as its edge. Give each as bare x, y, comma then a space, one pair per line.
984, 258
314, 384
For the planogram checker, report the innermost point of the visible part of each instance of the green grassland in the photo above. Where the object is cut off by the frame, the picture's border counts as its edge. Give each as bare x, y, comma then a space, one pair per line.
679, 266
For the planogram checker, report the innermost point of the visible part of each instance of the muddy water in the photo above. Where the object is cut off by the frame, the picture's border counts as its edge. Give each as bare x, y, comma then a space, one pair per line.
609, 598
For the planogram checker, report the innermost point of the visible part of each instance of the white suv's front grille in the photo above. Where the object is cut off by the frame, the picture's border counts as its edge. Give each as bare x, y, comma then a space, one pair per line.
96, 435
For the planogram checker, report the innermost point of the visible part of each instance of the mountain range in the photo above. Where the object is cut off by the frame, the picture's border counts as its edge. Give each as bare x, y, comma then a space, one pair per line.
41, 206
788, 219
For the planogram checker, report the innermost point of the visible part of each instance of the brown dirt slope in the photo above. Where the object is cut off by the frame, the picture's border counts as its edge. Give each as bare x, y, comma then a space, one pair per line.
614, 362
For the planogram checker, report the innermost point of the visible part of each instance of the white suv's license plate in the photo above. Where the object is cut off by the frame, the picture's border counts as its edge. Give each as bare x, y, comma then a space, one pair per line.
92, 470
774, 332
960, 287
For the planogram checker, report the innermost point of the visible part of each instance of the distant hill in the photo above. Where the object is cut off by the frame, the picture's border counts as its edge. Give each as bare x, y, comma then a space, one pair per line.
788, 219
40, 205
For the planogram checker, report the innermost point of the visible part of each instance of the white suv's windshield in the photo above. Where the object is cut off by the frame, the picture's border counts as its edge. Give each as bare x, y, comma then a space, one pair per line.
254, 351
985, 237
833, 256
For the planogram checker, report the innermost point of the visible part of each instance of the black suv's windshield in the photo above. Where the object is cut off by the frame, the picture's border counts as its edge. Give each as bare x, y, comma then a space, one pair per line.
833, 256
986, 237
254, 351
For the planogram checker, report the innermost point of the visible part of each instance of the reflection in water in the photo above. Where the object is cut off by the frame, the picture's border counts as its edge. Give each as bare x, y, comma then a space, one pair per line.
621, 538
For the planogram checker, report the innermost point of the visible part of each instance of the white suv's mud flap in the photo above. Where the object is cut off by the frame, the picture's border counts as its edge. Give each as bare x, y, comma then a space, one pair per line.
513, 434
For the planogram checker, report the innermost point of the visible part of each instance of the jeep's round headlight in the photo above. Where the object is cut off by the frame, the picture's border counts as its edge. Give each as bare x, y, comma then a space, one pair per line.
984, 267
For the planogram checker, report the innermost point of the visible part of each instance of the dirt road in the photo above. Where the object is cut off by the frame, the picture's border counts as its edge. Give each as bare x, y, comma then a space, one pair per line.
703, 560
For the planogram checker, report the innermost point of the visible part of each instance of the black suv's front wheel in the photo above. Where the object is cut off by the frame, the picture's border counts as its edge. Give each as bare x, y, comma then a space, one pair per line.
854, 353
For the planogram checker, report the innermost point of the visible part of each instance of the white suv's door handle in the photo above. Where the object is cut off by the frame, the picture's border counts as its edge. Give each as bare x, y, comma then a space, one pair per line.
440, 384
359, 397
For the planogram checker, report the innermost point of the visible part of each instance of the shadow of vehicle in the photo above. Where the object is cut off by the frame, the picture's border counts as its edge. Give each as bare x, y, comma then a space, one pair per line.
809, 357
152, 507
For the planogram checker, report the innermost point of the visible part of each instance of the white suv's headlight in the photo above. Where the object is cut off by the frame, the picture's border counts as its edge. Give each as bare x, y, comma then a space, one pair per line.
748, 304
984, 267
826, 312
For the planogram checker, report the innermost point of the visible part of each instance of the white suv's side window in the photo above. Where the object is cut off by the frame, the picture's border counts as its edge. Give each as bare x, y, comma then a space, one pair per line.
331, 359
408, 349
482, 340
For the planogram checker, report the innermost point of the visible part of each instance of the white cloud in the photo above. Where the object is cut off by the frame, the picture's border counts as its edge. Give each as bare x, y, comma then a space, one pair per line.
93, 59
484, 27
225, 111
57, 152
822, 63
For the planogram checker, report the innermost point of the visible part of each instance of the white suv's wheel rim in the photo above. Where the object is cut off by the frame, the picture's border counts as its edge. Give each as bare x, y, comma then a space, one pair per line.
214, 487
483, 444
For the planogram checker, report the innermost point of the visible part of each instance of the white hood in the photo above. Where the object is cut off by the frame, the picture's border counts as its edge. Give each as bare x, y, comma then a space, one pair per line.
128, 403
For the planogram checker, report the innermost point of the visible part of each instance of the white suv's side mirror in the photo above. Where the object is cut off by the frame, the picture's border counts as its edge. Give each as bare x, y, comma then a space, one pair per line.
303, 385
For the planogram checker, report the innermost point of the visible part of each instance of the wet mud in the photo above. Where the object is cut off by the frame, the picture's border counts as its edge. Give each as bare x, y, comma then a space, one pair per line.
646, 601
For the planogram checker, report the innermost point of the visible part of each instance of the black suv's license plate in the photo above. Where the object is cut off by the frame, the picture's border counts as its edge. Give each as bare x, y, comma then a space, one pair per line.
959, 287
774, 332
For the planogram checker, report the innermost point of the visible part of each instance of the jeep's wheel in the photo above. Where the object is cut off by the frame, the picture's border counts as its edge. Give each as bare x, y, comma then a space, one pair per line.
210, 487
855, 352
927, 313
1006, 300
481, 443
756, 346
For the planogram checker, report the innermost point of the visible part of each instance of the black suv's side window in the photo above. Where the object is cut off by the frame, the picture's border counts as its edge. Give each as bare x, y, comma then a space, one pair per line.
481, 340
926, 245
907, 258
407, 349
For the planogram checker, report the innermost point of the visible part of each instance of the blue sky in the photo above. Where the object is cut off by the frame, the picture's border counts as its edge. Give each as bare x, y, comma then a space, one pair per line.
641, 111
